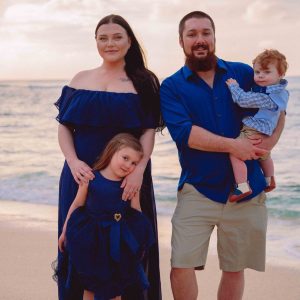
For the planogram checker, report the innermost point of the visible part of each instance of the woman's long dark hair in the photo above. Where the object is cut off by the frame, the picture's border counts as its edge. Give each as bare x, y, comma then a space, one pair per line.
144, 81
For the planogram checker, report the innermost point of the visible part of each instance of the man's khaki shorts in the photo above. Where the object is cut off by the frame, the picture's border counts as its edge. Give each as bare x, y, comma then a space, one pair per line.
241, 231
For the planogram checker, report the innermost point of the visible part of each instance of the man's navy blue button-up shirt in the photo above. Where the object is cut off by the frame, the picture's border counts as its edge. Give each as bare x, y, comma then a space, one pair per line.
187, 100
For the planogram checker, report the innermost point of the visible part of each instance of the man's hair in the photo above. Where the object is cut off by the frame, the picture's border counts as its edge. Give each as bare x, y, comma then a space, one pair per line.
272, 56
195, 14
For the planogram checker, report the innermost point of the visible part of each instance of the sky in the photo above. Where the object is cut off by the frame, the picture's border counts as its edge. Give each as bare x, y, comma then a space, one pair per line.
54, 39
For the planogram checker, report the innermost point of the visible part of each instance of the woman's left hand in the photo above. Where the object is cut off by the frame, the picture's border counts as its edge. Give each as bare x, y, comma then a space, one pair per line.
132, 184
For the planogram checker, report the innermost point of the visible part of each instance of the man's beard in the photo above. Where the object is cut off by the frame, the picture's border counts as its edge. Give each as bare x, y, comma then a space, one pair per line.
197, 64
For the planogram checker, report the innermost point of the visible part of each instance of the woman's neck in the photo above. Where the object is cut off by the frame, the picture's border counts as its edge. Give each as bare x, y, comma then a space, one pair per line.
113, 67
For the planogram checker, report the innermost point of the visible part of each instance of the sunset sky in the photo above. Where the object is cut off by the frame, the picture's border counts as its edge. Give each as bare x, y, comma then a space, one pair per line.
54, 39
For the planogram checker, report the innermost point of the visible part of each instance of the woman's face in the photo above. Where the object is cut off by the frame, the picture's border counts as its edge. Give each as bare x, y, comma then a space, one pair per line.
112, 42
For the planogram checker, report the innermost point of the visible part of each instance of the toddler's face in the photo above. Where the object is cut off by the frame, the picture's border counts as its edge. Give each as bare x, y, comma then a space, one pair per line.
266, 76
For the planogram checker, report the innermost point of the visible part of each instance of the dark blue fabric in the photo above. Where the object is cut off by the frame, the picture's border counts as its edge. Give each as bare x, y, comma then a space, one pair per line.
90, 138
106, 251
187, 100
259, 89
82, 108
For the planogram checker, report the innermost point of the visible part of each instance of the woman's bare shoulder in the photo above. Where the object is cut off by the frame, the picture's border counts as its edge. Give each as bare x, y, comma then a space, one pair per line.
81, 80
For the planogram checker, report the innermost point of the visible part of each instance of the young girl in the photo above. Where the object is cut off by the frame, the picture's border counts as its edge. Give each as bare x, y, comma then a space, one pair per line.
106, 236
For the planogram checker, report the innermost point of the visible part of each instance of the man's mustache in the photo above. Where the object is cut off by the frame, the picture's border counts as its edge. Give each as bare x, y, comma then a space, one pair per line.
200, 46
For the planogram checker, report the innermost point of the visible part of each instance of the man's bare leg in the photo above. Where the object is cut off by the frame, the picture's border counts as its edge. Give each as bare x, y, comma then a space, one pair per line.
231, 286
184, 284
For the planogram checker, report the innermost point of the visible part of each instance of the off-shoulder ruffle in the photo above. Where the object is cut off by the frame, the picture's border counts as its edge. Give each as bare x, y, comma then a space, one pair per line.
81, 108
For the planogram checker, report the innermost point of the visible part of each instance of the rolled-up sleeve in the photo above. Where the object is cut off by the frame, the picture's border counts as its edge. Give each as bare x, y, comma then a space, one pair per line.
175, 115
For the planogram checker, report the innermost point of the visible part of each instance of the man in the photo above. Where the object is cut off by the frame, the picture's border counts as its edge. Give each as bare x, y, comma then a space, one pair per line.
204, 122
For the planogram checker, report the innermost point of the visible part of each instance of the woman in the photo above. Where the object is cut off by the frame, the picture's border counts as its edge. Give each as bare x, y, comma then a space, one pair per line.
121, 95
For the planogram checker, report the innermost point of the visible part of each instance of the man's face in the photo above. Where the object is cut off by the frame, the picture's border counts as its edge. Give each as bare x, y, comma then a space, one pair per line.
198, 38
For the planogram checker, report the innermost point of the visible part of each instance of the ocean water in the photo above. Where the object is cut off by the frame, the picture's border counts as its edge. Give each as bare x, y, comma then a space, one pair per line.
30, 160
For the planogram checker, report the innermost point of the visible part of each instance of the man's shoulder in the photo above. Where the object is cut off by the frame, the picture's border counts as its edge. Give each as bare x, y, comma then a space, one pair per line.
177, 76
236, 66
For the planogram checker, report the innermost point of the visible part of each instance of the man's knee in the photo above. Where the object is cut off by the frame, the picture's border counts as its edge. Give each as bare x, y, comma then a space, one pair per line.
184, 284
182, 276
177, 273
233, 275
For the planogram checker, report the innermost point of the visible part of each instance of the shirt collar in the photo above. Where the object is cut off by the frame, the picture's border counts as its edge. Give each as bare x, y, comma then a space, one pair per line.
188, 73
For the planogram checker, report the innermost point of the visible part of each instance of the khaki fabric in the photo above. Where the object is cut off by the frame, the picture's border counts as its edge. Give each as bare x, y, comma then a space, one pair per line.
241, 231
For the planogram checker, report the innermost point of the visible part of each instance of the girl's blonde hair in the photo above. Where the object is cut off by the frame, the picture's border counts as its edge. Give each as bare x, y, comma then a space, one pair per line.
118, 142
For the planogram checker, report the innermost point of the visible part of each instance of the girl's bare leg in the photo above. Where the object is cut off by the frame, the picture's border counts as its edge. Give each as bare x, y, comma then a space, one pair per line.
116, 298
87, 295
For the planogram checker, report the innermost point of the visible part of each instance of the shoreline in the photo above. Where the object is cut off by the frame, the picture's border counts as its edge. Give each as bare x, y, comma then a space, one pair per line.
29, 238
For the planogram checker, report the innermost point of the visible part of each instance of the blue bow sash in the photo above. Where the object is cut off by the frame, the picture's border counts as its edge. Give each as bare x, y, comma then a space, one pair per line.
117, 223
120, 231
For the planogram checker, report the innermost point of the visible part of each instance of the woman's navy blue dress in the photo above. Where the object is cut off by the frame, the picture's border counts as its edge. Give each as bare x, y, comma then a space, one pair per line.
106, 240
96, 117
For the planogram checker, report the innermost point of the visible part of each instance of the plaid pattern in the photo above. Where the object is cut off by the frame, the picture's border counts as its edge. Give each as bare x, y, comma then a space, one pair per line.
251, 99
262, 121
261, 125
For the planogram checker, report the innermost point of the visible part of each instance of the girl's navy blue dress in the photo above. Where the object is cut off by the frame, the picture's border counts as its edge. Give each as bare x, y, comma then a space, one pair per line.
97, 116
106, 240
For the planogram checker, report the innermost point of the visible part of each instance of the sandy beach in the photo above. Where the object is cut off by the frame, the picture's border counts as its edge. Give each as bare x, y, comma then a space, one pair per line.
28, 246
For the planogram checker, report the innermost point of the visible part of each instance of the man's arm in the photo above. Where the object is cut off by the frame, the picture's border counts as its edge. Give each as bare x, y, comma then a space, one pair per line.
185, 134
244, 149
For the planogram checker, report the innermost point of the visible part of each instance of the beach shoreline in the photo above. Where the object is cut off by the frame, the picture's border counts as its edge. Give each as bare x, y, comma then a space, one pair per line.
28, 238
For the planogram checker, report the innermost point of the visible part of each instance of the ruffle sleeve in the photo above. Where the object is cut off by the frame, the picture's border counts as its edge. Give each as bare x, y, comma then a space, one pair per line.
86, 108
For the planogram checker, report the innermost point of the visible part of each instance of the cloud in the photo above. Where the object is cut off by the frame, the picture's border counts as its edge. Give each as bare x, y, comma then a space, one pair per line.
266, 44
39, 35
264, 12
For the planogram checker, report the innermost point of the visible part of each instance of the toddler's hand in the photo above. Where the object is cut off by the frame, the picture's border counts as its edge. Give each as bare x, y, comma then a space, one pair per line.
231, 81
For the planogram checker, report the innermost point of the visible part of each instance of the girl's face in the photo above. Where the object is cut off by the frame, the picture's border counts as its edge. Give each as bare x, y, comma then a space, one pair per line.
124, 162
112, 42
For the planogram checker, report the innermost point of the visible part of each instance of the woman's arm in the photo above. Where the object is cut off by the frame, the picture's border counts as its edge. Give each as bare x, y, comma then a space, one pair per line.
135, 202
79, 200
132, 182
80, 170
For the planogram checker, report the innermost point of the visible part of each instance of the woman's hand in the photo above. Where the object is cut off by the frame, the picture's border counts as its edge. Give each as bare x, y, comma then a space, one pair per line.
61, 242
81, 172
132, 184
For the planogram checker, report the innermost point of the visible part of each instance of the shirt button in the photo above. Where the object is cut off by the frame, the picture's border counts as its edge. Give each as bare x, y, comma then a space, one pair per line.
219, 115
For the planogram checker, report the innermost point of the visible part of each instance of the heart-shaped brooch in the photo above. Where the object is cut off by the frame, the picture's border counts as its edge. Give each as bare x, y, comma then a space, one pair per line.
117, 217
